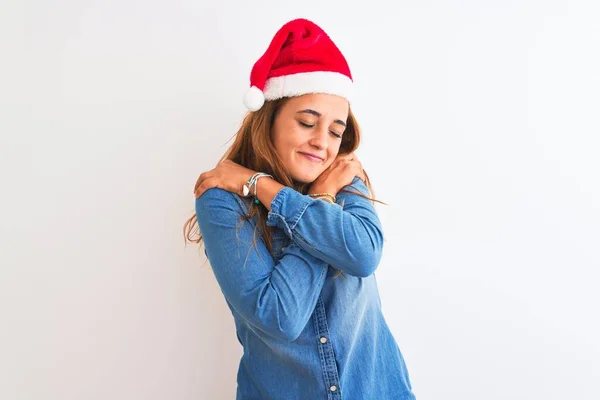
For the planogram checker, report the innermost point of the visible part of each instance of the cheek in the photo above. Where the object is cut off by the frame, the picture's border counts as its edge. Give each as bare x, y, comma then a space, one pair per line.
279, 141
291, 141
335, 150
283, 133
285, 146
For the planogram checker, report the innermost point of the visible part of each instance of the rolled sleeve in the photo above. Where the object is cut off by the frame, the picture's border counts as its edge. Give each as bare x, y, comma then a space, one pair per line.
347, 235
278, 298
287, 207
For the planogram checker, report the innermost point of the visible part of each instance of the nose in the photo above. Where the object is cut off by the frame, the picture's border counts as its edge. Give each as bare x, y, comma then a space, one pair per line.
320, 138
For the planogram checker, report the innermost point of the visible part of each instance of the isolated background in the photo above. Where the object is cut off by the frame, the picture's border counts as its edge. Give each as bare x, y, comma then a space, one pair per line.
481, 129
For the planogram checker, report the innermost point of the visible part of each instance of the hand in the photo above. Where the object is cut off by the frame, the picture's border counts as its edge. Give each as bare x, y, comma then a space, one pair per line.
340, 173
226, 175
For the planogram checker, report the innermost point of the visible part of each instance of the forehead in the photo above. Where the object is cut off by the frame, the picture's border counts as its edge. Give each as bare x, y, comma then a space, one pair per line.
328, 105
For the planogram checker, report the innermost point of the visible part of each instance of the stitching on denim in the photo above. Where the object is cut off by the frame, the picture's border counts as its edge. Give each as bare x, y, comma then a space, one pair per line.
301, 212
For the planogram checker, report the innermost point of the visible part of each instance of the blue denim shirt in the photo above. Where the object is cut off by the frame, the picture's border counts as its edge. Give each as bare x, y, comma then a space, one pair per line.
305, 335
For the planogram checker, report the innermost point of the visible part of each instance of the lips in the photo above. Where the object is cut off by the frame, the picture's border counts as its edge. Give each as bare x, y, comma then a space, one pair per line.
311, 157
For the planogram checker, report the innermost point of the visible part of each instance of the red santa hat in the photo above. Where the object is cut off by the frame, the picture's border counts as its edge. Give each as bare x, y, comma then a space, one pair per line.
301, 59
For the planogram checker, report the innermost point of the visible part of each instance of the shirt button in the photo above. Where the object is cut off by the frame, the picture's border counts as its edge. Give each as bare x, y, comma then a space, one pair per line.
323, 339
333, 388
283, 248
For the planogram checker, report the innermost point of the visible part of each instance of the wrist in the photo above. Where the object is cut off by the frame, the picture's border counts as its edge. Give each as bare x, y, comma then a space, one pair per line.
247, 186
327, 196
323, 189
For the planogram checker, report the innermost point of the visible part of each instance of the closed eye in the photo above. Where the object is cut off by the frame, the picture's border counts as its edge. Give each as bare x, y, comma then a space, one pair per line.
337, 135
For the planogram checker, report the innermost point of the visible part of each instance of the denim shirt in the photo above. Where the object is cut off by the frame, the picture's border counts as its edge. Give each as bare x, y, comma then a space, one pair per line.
305, 334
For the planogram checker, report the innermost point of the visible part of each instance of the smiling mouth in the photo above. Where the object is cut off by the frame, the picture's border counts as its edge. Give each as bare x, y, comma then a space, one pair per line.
311, 158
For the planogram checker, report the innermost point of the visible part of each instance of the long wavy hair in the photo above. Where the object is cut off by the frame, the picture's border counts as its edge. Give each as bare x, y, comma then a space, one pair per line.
253, 149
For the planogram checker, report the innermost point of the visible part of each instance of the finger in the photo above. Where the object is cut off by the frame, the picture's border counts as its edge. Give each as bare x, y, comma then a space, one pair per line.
360, 172
203, 176
345, 157
198, 193
353, 157
204, 186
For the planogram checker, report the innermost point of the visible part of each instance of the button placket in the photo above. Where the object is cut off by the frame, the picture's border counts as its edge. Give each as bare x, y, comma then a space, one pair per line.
326, 353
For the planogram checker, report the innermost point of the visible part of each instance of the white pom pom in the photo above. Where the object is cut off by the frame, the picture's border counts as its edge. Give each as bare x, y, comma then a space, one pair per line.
254, 99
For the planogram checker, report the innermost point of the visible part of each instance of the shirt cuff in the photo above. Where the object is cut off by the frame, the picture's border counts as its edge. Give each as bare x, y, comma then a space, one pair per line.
287, 207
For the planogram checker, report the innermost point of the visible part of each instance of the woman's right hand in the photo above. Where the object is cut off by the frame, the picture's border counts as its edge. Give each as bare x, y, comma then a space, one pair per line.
340, 173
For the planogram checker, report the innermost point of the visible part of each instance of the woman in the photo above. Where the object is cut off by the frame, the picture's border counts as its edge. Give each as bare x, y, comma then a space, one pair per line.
286, 207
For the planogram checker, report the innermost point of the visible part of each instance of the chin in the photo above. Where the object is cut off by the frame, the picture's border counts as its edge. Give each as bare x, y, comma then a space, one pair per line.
304, 177
303, 180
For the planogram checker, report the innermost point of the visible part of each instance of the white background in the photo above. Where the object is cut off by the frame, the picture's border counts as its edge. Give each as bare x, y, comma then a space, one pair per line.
480, 121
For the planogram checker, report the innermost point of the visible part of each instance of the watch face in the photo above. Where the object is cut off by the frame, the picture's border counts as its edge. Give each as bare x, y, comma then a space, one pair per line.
246, 190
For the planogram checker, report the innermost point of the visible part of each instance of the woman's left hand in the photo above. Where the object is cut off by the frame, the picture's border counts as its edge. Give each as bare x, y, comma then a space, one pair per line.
226, 175
339, 174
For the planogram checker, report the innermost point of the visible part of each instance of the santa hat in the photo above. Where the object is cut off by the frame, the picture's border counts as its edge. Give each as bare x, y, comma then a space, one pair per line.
301, 59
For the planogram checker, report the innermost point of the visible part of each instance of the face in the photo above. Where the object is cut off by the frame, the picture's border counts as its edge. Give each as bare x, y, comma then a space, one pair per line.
312, 124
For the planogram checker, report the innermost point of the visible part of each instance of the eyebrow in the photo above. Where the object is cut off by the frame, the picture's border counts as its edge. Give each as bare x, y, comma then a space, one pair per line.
318, 114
